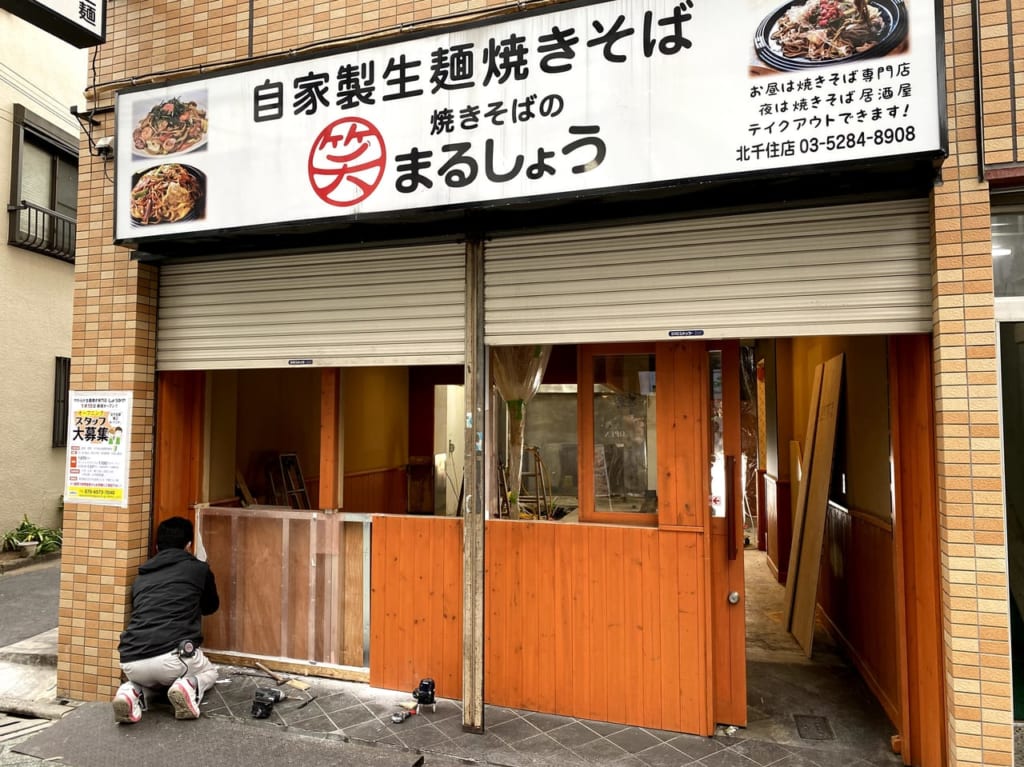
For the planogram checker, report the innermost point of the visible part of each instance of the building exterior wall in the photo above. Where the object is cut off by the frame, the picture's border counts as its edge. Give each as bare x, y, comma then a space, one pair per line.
46, 76
115, 312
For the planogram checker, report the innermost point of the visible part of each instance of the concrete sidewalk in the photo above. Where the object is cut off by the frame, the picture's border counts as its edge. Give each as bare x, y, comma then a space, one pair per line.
350, 723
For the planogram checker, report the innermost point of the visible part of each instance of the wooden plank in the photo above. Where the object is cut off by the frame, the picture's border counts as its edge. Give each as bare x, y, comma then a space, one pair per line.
670, 596
352, 593
805, 593
800, 510
616, 649
581, 625
330, 394
513, 600
918, 583
597, 636
666, 362
381, 613
651, 676
546, 586
496, 635
529, 632
449, 680
561, 581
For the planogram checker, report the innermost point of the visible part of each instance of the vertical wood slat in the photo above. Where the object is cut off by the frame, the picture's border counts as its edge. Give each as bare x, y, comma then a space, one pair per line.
413, 595
919, 591
178, 456
330, 439
808, 556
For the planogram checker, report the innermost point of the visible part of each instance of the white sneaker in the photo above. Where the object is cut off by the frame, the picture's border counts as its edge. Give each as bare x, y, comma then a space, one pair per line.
184, 696
129, 703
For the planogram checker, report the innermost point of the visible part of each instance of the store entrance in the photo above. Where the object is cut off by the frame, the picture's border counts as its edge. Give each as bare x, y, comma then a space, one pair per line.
1011, 362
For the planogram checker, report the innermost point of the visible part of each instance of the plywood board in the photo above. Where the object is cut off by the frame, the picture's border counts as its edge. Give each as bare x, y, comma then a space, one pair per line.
817, 481
800, 510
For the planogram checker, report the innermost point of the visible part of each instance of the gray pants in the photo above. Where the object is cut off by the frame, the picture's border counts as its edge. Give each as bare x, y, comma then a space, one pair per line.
161, 671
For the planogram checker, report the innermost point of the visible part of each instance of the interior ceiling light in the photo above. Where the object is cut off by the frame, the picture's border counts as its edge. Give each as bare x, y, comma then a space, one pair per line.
1002, 251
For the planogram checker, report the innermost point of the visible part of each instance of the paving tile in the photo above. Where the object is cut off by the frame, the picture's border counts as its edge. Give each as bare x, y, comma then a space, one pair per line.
603, 728
761, 752
543, 745
547, 722
633, 739
662, 735
319, 723
574, 734
514, 730
695, 746
727, 758
421, 737
664, 755
497, 714
600, 751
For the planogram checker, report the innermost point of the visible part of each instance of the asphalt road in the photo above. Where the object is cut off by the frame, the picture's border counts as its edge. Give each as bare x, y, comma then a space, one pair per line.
28, 601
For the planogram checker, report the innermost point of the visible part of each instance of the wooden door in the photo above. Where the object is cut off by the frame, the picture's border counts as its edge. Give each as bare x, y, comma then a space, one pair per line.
727, 598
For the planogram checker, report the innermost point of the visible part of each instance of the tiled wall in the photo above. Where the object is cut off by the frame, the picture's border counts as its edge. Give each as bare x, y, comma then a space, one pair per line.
973, 569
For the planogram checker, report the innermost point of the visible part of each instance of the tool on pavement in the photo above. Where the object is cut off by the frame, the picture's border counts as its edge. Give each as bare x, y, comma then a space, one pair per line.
263, 701
298, 684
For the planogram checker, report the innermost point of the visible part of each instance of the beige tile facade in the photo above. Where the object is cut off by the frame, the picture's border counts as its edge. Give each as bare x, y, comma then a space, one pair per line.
115, 314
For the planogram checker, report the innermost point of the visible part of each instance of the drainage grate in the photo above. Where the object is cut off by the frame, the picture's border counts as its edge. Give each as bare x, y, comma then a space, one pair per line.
813, 727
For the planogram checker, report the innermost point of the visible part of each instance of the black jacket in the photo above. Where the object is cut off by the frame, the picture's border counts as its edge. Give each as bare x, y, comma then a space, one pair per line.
171, 593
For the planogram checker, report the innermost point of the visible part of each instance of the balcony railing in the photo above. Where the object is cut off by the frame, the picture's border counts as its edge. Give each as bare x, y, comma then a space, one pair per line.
42, 230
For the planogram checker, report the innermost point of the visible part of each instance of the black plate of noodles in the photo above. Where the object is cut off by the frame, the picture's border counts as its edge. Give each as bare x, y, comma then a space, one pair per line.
166, 194
806, 34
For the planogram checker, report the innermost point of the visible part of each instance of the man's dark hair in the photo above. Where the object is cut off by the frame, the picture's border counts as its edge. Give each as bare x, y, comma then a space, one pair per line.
174, 533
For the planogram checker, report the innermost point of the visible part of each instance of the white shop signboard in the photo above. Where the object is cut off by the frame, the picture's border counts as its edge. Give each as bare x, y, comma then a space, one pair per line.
567, 100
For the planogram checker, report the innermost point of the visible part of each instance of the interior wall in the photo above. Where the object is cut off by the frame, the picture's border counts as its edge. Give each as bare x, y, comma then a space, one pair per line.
278, 411
867, 414
221, 430
376, 416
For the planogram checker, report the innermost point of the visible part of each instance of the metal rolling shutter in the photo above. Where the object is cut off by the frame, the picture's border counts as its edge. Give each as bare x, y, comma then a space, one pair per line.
397, 306
850, 269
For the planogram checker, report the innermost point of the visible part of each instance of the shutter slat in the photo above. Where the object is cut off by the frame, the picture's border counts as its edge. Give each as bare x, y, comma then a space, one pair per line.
375, 307
847, 269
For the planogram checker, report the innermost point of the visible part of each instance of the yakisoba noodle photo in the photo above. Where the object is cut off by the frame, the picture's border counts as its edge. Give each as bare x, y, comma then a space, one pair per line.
170, 127
828, 30
167, 193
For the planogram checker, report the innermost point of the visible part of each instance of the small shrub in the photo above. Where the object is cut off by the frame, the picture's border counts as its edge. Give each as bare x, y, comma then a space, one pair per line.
48, 538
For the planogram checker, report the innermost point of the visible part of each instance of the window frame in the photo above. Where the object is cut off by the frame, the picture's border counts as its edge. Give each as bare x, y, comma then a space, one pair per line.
61, 400
30, 128
588, 511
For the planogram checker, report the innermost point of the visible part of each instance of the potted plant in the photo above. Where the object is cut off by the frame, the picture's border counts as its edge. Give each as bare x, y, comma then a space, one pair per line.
31, 539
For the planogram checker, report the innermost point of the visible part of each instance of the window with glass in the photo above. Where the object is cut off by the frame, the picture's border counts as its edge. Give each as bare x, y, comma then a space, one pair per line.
618, 434
44, 187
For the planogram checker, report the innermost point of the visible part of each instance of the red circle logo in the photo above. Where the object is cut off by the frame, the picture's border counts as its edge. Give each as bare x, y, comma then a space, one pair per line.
346, 161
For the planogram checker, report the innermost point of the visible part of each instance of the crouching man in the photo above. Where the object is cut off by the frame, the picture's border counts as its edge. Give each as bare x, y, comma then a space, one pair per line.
159, 648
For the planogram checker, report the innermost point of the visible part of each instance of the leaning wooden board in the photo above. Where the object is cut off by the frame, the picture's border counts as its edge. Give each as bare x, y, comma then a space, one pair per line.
805, 595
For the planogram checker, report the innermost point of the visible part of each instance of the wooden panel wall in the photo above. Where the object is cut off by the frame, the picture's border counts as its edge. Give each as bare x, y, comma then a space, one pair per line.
273, 603
416, 603
779, 523
178, 460
600, 622
382, 491
857, 596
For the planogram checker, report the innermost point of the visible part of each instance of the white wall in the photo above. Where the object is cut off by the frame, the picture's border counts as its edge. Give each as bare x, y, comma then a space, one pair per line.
46, 76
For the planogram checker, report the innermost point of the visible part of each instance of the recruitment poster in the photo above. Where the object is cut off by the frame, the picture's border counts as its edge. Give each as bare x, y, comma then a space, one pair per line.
99, 431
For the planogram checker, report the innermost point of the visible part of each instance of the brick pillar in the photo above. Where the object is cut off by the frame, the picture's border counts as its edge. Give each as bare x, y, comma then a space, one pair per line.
975, 618
113, 348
